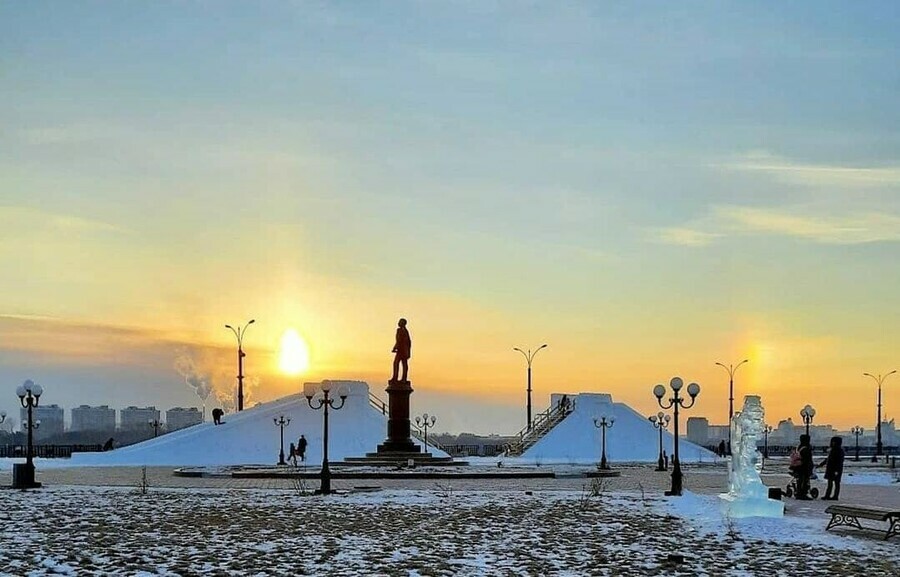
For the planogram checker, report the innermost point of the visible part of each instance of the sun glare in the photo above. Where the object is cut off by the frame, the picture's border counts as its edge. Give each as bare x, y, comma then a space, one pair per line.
294, 357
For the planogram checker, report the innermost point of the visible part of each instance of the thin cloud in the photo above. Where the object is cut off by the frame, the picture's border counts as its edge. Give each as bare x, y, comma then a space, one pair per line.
685, 237
724, 221
853, 229
30, 218
814, 174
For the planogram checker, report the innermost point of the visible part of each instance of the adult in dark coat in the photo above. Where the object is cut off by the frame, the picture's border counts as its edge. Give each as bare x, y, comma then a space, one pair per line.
834, 469
402, 350
301, 448
805, 470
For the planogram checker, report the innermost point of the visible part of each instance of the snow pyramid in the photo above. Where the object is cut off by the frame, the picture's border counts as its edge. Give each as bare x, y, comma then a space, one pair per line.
631, 439
250, 437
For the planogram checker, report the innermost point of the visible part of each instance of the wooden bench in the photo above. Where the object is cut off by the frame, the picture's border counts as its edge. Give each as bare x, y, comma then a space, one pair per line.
850, 515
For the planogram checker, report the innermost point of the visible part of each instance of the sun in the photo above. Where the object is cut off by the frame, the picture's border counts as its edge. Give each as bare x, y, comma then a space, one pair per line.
294, 356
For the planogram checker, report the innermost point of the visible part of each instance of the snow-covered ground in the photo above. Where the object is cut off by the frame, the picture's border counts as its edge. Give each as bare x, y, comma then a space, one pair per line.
441, 531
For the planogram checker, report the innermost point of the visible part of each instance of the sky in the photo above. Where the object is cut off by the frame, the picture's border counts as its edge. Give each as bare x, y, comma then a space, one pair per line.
648, 188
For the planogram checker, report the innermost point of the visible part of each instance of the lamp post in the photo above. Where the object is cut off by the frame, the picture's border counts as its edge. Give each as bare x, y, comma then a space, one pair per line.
807, 413
878, 445
155, 424
660, 421
676, 401
731, 370
529, 356
324, 402
281, 422
239, 334
857, 431
29, 396
423, 423
603, 423
766, 429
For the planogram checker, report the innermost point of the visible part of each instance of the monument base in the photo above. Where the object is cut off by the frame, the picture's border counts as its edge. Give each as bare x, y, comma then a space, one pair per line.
399, 449
736, 507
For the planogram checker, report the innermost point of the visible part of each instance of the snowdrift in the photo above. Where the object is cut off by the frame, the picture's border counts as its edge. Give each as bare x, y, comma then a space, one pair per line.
251, 437
632, 438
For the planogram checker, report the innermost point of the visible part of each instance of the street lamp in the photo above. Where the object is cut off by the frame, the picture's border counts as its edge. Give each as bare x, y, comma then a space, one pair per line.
155, 424
239, 334
660, 421
676, 402
424, 422
807, 413
879, 379
311, 390
766, 429
281, 422
29, 396
603, 423
857, 431
529, 356
731, 370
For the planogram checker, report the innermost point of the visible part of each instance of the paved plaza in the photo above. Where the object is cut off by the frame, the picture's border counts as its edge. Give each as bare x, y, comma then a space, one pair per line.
97, 521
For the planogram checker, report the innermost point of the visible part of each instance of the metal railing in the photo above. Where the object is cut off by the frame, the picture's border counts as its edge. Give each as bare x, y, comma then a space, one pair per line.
542, 424
377, 404
849, 450
47, 451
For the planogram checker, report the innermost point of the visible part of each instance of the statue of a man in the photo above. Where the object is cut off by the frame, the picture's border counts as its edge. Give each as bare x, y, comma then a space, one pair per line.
402, 350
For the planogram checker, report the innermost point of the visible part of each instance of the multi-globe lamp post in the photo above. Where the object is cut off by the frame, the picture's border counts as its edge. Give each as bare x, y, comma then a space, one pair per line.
239, 335
879, 380
155, 424
529, 357
322, 394
807, 413
281, 423
676, 402
425, 422
661, 422
732, 369
603, 423
856, 431
766, 429
29, 396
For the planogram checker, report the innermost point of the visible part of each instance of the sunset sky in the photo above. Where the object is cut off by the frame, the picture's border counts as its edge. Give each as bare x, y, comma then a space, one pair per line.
649, 188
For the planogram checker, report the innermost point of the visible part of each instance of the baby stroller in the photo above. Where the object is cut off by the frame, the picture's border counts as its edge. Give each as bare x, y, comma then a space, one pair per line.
794, 470
791, 488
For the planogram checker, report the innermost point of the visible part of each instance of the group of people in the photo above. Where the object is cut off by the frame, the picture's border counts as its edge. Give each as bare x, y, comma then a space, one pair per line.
298, 451
802, 468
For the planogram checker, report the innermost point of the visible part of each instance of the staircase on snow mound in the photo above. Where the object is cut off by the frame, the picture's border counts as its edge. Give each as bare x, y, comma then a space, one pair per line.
540, 426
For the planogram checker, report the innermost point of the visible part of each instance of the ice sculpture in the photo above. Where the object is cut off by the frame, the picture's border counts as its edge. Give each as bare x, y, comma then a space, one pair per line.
747, 496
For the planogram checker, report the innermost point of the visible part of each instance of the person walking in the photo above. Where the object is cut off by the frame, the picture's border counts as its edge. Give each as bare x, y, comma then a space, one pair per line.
292, 455
666, 460
834, 469
301, 448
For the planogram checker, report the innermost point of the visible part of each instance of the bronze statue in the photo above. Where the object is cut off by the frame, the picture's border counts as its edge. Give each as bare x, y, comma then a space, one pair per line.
402, 350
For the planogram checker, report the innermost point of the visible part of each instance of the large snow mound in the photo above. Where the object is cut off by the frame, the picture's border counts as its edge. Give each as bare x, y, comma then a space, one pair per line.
251, 436
631, 439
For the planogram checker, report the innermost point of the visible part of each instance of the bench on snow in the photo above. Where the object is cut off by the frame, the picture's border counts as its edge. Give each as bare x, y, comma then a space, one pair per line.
850, 515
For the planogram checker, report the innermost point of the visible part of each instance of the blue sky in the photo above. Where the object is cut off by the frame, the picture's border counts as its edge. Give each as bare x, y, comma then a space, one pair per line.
648, 186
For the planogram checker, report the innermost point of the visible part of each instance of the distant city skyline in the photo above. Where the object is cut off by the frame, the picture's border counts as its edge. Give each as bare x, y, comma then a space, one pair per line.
648, 191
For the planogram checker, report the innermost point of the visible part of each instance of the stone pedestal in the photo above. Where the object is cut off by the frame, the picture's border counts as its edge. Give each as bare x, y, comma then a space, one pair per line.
398, 437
